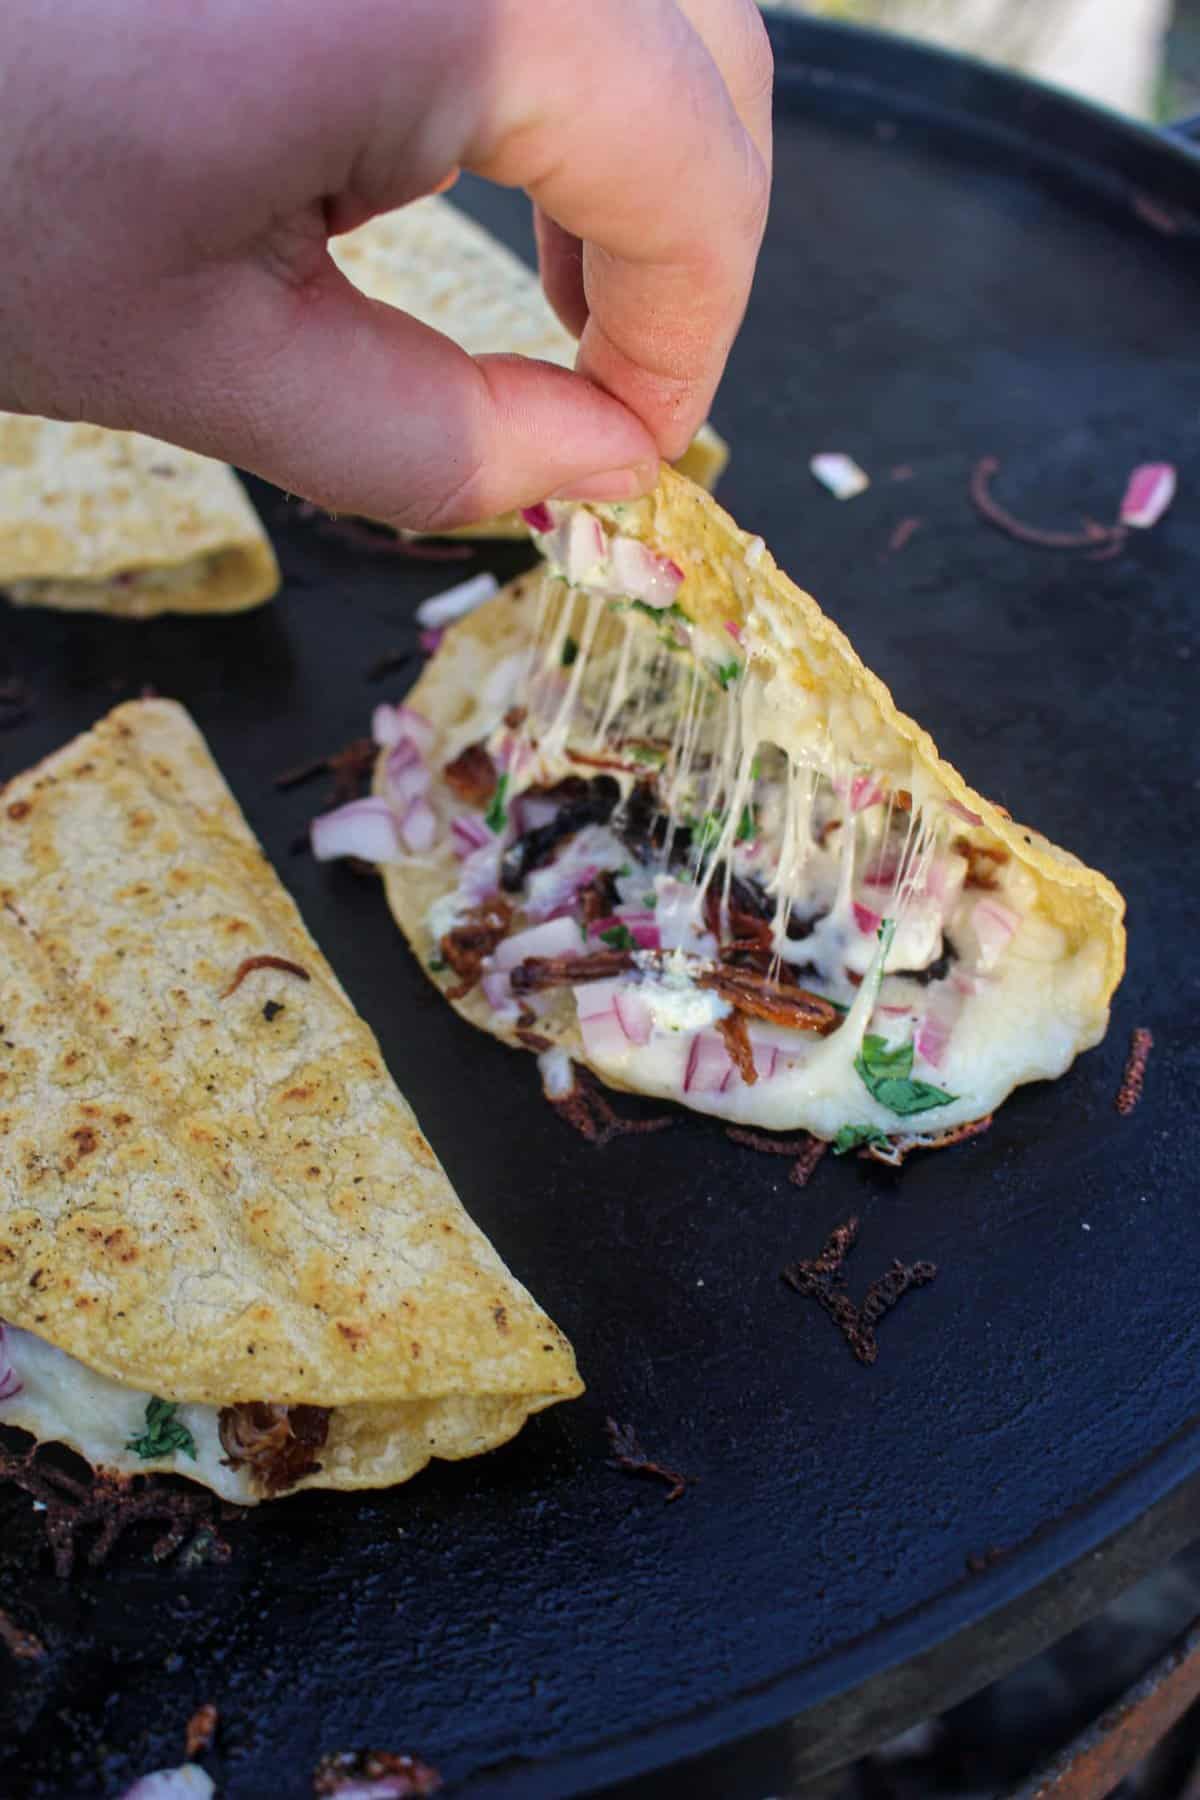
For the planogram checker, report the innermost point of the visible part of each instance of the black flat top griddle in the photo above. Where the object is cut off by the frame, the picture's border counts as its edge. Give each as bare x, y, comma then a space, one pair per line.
957, 265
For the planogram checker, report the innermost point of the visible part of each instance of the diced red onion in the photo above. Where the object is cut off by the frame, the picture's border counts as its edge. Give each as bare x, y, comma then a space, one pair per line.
1150, 491
468, 833
431, 641
10, 1382
633, 1012
479, 876
604, 1036
538, 518
866, 920
455, 602
734, 630
641, 924
190, 1782
882, 874
393, 725
593, 998
556, 937
643, 575
363, 828
407, 783
418, 827
932, 1037
962, 812
865, 791
709, 1069
558, 1077
994, 925
531, 811
766, 1058
944, 879
400, 756
497, 989
584, 547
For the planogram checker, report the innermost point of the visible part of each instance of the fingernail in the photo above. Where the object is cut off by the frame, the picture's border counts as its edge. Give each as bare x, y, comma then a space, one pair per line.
613, 484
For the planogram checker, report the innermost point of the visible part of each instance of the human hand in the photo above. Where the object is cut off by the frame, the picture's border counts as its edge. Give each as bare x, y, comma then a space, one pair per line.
174, 172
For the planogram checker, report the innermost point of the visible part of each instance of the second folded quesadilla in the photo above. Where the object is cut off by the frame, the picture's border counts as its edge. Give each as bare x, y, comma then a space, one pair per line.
434, 262
113, 522
226, 1249
651, 809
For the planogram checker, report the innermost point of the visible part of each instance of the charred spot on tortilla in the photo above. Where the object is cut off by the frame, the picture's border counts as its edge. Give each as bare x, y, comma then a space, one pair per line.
256, 1273
713, 810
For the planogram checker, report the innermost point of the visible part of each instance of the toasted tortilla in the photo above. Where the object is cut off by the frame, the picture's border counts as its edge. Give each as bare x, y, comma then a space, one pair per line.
109, 521
808, 694
212, 1196
432, 261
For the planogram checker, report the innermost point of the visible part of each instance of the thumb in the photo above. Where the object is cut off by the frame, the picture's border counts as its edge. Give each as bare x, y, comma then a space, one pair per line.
359, 407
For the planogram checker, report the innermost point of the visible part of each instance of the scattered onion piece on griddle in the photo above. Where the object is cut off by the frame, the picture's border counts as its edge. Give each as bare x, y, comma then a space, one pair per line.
457, 601
839, 473
1150, 491
189, 1782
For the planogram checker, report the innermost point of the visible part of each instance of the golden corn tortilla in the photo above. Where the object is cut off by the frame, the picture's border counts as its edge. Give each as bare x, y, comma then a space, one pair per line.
212, 1196
110, 521
431, 260
814, 676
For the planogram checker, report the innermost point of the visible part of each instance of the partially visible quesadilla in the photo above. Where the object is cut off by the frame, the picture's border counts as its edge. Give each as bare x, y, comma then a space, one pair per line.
109, 521
434, 262
652, 810
226, 1250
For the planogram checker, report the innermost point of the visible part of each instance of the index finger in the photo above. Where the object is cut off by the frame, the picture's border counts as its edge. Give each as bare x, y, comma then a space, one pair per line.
625, 133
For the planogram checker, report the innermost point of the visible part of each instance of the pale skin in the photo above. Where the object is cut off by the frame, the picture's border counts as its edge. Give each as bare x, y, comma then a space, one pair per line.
174, 169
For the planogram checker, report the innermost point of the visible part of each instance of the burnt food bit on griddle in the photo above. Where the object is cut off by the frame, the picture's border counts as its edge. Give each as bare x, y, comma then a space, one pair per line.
822, 1279
390, 1775
586, 1109
1130, 1091
110, 1504
25, 1646
805, 1150
201, 1731
276, 1443
631, 1459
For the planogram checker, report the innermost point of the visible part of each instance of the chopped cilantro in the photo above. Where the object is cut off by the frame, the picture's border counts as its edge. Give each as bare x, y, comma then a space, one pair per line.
747, 827
625, 869
619, 937
838, 1007
650, 899
756, 768
887, 1076
437, 965
648, 753
854, 1137
570, 651
674, 611
164, 1433
727, 672
496, 816
708, 831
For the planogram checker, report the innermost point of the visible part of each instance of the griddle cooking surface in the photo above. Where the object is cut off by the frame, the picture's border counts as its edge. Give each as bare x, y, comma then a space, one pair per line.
926, 296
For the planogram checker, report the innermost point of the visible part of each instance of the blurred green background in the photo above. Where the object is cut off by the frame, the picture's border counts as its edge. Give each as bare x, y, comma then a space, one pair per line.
1139, 56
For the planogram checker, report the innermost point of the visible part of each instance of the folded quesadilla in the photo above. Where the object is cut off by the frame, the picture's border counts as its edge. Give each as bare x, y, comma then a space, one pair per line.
109, 521
653, 811
226, 1250
434, 262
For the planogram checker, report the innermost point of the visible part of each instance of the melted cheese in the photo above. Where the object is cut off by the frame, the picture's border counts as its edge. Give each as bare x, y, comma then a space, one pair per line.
63, 1402
843, 830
